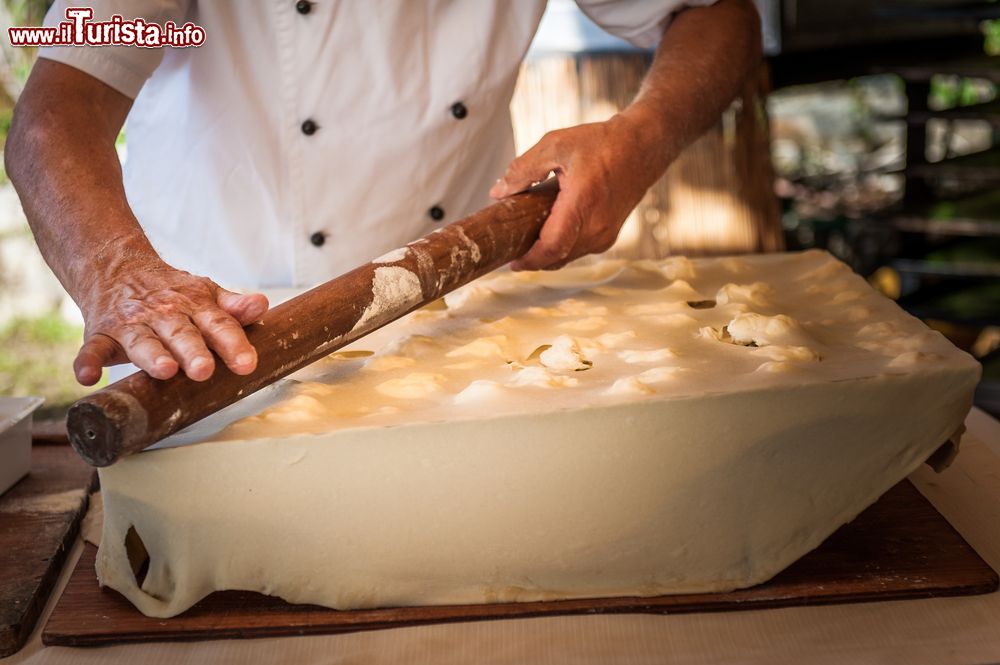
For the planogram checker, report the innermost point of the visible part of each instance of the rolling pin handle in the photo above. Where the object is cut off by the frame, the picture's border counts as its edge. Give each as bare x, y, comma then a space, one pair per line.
95, 427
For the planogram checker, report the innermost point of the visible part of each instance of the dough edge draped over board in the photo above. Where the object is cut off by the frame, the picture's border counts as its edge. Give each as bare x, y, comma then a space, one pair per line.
615, 428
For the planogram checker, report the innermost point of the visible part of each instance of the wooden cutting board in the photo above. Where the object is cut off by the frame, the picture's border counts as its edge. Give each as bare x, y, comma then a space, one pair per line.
901, 547
39, 519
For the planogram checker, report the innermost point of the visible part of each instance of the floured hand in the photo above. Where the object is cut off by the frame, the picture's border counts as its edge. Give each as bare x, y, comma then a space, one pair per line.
163, 319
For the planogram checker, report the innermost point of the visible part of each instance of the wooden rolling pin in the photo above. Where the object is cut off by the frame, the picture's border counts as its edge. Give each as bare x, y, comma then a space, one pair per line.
138, 411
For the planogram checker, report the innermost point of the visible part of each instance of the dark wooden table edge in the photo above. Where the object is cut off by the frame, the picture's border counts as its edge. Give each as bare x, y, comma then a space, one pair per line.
189, 635
47, 584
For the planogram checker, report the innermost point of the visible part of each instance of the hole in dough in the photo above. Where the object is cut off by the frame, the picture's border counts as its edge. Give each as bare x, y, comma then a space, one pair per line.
537, 353
435, 305
701, 304
351, 355
138, 557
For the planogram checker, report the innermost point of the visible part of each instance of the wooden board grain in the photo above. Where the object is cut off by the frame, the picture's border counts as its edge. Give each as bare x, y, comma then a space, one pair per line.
39, 518
899, 548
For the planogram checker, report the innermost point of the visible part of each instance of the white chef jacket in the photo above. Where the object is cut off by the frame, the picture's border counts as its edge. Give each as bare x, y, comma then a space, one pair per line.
305, 138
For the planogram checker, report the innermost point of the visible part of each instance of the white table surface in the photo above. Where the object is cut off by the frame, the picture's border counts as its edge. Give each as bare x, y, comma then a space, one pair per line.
941, 630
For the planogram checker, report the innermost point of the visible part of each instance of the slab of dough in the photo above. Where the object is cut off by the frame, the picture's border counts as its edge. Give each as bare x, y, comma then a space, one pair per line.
611, 429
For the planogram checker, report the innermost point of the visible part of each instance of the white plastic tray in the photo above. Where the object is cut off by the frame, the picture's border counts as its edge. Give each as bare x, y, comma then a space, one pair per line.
15, 438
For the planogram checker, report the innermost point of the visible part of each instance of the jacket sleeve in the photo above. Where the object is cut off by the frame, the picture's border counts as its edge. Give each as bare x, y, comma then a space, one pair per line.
124, 68
639, 22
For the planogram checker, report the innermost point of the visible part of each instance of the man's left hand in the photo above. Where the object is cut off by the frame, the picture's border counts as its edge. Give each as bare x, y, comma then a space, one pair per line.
602, 176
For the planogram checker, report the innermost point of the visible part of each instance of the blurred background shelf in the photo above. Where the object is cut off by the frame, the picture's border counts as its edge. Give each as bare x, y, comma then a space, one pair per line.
963, 269
971, 302
979, 168
986, 111
954, 227
885, 119
974, 215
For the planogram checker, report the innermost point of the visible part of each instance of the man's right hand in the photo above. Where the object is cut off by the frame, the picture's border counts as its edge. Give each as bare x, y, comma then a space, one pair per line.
163, 319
